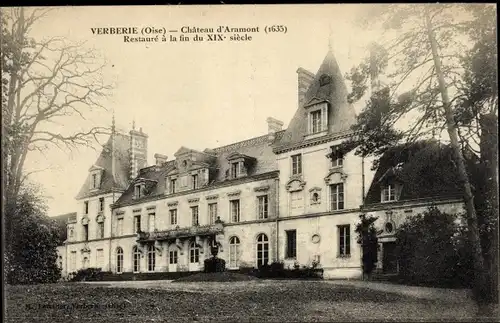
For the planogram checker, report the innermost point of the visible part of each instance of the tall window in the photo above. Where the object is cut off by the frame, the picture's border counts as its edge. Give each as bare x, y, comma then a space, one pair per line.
316, 121
291, 243
262, 250
337, 197
173, 183
152, 221
194, 253
119, 227
194, 215
389, 193
86, 207
336, 156
235, 169
99, 258
85, 232
100, 229
173, 217
296, 164
119, 260
137, 259
263, 207
173, 257
194, 181
235, 210
151, 258
212, 212
137, 223
101, 204
94, 180
344, 240
234, 252
73, 260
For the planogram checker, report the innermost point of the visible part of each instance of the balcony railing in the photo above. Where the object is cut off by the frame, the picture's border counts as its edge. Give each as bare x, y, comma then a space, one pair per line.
181, 233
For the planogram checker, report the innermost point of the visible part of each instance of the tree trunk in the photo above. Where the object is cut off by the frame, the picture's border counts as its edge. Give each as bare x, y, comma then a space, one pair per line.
489, 159
480, 279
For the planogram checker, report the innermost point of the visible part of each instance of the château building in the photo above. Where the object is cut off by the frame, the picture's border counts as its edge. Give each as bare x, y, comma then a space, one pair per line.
289, 195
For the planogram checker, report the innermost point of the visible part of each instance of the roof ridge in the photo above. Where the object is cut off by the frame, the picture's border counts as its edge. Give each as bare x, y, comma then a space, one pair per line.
242, 143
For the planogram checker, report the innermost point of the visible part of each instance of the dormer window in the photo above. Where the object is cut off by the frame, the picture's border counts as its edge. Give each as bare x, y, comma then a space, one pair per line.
388, 193
239, 164
95, 177
194, 181
173, 183
236, 169
317, 117
139, 191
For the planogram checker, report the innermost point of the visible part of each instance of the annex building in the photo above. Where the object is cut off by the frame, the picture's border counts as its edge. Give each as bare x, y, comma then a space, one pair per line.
288, 195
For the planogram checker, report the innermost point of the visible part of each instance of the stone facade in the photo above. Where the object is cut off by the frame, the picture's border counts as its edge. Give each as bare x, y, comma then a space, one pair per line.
290, 195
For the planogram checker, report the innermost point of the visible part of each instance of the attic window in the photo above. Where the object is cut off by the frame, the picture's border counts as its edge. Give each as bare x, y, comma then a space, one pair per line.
324, 80
317, 118
139, 191
95, 180
388, 193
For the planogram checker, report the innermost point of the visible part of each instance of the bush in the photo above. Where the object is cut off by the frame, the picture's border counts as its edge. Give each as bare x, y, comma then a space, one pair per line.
433, 250
31, 240
277, 270
87, 274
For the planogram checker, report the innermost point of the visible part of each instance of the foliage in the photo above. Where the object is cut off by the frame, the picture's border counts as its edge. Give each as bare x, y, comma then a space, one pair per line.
44, 81
277, 270
87, 274
367, 238
31, 240
433, 249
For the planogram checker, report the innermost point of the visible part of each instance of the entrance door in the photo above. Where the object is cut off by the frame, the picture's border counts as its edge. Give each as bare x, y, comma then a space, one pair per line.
389, 259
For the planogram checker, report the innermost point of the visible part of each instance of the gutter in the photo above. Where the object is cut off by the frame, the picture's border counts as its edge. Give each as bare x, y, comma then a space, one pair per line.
277, 181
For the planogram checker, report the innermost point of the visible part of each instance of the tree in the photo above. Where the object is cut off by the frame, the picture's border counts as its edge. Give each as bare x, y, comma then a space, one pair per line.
31, 241
424, 49
433, 249
43, 82
367, 238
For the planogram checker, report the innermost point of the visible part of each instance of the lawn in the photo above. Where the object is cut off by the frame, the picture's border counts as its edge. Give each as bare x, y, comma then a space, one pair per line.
256, 301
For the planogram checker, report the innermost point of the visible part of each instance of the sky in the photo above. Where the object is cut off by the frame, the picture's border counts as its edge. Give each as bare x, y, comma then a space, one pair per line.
198, 95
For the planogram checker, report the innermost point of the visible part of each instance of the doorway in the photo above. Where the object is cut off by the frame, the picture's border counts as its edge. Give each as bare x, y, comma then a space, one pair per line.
389, 258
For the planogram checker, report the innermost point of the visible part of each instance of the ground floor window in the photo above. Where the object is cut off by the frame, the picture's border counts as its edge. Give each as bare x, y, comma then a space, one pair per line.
262, 250
194, 253
173, 257
344, 240
234, 252
137, 259
119, 260
151, 258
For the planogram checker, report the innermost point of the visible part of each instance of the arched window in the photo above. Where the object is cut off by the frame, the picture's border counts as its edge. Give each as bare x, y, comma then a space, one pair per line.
151, 258
119, 260
137, 259
262, 250
194, 253
234, 252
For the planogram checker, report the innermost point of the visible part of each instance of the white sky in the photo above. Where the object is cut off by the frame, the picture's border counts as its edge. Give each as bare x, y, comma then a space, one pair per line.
200, 95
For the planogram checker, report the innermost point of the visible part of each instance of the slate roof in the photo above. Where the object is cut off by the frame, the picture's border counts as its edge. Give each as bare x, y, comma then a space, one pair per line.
425, 169
341, 115
259, 148
109, 181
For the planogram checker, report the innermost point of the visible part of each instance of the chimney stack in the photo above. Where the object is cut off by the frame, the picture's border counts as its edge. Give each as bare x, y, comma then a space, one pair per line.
273, 126
160, 159
138, 151
305, 79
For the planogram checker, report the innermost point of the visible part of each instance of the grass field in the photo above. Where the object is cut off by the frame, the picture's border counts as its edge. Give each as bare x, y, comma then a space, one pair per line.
256, 301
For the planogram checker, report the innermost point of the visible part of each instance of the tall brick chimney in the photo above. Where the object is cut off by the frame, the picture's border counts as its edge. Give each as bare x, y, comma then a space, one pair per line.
273, 126
305, 79
138, 151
